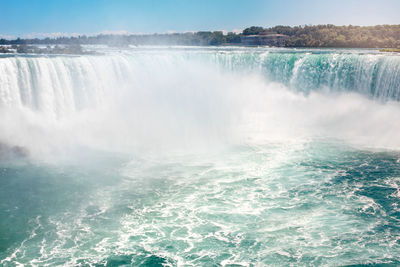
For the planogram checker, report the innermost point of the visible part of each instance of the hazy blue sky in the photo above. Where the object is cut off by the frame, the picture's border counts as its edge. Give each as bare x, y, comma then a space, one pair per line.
24, 17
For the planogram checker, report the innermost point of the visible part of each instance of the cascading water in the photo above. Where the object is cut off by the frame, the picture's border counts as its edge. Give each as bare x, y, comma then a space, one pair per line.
200, 156
374, 75
75, 82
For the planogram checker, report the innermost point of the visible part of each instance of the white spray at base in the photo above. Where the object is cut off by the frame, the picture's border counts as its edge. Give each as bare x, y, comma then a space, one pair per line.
185, 100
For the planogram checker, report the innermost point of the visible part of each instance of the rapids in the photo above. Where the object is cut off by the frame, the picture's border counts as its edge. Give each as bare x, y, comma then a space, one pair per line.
200, 156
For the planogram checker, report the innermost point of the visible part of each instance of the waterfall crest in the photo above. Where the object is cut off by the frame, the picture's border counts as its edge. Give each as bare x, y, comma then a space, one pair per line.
62, 84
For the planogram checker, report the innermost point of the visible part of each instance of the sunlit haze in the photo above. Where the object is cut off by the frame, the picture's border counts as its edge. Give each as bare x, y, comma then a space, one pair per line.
162, 133
36, 18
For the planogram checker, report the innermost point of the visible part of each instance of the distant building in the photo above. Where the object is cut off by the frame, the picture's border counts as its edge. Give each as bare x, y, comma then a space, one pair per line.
271, 39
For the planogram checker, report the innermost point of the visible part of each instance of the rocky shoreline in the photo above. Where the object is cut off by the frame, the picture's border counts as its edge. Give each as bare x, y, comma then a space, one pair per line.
396, 50
74, 49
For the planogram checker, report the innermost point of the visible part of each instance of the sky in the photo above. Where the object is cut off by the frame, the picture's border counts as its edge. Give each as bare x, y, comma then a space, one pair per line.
39, 18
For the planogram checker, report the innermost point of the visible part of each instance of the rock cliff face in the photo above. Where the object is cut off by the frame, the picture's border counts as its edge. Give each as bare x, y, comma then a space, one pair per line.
8, 151
268, 39
4, 49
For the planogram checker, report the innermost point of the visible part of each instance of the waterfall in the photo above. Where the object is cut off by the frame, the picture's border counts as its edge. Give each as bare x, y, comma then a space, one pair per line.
373, 75
60, 85
177, 97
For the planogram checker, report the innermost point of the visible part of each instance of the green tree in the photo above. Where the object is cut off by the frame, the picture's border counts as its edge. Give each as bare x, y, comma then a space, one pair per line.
253, 30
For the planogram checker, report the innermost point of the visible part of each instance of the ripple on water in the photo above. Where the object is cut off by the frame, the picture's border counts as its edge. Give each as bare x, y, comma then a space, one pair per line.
314, 203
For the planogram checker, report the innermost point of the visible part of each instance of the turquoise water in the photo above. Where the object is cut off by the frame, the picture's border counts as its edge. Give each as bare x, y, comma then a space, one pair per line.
200, 157
278, 204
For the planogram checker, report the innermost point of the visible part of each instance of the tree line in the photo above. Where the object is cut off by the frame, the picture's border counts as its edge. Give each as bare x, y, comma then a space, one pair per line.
380, 36
196, 38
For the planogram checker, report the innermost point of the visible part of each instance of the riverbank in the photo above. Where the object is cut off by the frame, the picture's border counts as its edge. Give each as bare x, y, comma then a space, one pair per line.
74, 49
397, 50
321, 36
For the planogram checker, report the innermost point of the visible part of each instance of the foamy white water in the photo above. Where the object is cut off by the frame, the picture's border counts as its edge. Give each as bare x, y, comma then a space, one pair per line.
200, 156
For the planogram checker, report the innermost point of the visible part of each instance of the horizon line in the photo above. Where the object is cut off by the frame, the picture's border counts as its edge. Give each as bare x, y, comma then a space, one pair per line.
55, 35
